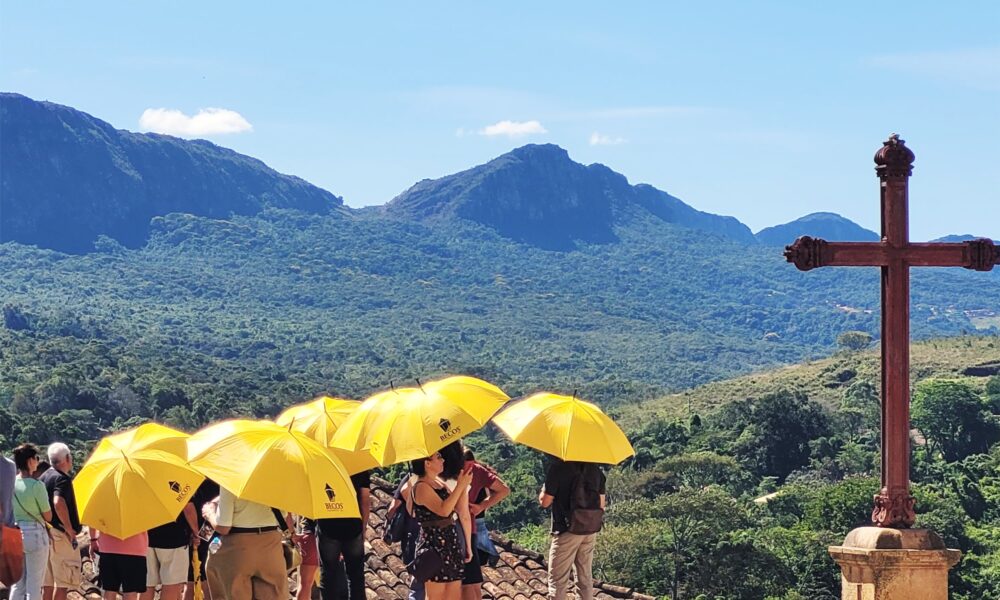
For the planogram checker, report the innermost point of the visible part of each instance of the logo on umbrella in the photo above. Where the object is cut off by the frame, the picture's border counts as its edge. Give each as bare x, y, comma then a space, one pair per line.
176, 488
449, 432
331, 497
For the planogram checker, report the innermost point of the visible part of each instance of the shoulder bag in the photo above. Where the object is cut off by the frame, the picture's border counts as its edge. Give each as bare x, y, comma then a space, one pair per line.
427, 562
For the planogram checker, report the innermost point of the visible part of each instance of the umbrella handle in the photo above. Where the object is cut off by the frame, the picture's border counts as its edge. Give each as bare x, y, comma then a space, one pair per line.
196, 567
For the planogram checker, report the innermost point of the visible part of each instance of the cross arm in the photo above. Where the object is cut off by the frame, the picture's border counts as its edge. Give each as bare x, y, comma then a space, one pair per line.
809, 253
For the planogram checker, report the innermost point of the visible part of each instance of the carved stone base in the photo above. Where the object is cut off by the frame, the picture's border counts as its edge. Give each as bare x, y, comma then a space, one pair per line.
894, 509
894, 564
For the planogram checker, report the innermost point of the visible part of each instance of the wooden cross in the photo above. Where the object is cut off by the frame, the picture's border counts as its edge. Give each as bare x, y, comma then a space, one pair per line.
895, 254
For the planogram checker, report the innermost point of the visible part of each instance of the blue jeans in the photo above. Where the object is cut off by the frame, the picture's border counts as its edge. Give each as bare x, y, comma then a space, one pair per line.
36, 559
484, 544
416, 590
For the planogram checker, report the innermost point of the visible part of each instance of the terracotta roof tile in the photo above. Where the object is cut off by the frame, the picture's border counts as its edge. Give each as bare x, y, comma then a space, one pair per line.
520, 574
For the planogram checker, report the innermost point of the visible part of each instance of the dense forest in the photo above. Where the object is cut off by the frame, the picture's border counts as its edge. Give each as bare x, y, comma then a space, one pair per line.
741, 501
736, 497
348, 303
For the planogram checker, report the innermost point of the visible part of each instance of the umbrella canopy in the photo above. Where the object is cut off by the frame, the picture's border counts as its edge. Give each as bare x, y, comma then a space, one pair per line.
320, 419
566, 427
264, 462
136, 480
409, 423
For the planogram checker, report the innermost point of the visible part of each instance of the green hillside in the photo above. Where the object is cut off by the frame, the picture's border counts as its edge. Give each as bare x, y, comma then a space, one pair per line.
825, 380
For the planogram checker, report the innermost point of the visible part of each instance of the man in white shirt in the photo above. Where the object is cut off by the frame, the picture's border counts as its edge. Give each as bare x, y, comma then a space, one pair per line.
249, 564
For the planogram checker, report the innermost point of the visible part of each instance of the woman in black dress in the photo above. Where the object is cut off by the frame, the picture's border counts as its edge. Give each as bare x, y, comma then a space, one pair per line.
433, 506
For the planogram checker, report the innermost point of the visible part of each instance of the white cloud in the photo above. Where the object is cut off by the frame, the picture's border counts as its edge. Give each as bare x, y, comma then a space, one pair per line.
513, 129
208, 121
600, 139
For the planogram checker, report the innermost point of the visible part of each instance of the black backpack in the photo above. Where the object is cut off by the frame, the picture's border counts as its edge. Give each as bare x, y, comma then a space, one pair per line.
585, 513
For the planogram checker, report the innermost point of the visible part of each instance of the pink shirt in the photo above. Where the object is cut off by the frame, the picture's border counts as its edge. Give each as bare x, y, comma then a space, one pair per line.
135, 545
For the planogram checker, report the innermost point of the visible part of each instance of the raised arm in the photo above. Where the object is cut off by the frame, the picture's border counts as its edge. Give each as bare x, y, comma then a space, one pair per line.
443, 508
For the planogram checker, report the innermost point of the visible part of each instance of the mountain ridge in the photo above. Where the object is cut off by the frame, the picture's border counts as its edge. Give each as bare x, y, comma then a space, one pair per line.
538, 195
827, 225
70, 178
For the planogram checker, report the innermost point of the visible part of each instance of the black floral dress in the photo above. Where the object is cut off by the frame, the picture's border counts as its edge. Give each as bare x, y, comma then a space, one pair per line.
443, 539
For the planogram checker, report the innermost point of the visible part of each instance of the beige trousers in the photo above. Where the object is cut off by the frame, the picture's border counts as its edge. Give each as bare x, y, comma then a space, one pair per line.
248, 566
570, 551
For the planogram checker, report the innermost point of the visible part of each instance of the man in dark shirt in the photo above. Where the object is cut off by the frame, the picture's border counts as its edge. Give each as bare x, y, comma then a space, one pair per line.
206, 492
569, 486
168, 557
63, 572
336, 537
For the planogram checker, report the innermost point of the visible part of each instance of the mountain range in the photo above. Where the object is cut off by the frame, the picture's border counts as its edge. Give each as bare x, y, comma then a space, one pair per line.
532, 270
70, 178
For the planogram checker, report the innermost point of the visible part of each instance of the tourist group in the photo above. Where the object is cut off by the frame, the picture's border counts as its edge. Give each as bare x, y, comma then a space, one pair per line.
230, 511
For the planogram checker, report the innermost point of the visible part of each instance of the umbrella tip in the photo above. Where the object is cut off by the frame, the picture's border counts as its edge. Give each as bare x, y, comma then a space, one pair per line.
392, 386
574, 393
419, 385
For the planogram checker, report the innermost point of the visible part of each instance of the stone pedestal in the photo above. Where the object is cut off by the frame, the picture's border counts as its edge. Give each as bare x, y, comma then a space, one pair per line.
894, 564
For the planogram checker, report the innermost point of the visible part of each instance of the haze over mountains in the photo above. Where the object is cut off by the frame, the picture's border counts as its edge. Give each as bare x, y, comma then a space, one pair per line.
532, 270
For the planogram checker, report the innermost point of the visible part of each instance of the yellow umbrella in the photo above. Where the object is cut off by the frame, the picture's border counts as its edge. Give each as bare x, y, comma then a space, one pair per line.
320, 420
566, 427
136, 480
408, 423
273, 465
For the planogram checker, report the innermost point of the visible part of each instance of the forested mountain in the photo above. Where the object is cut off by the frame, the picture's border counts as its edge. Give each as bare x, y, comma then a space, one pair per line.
67, 178
536, 194
826, 225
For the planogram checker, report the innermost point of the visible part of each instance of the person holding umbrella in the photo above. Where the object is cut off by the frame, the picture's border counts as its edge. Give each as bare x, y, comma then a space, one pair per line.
579, 437
134, 481
260, 465
338, 544
417, 425
575, 493
249, 563
433, 506
341, 543
122, 565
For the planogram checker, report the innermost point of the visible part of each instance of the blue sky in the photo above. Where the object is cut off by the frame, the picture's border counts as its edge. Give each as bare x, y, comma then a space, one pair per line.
761, 110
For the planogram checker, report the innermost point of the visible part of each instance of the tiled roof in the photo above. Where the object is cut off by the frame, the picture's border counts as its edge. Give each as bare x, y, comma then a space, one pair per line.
520, 574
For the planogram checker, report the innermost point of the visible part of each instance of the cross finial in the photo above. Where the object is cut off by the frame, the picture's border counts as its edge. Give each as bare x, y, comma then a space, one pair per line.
894, 159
